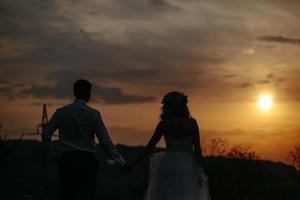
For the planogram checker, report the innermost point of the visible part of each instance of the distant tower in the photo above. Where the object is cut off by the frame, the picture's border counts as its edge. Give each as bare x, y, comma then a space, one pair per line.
42, 125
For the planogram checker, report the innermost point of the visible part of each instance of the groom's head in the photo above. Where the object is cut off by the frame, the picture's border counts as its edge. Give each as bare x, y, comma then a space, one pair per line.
82, 90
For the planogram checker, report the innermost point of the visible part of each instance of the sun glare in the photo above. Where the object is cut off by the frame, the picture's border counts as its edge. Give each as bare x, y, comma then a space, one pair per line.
265, 102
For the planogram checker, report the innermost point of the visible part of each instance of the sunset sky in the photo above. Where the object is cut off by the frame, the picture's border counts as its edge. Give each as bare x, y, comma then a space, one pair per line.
223, 54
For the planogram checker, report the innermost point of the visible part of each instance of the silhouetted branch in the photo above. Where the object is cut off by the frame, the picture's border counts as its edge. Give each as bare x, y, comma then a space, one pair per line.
217, 147
294, 157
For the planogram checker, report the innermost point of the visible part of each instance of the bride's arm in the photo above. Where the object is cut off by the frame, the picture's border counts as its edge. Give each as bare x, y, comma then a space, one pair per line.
152, 142
196, 142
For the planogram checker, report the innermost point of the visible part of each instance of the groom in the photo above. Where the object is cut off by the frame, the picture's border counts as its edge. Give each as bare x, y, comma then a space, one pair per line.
78, 123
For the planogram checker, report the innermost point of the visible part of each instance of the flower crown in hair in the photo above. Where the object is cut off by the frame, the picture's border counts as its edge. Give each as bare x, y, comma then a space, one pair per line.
175, 98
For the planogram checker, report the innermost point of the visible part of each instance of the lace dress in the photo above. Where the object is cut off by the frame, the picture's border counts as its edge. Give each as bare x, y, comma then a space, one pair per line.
174, 174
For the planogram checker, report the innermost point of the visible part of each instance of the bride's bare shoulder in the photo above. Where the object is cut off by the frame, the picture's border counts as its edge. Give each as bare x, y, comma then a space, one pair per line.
178, 121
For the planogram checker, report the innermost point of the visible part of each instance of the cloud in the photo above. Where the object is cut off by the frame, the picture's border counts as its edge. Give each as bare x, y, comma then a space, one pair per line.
270, 79
137, 56
270, 76
263, 82
164, 4
62, 89
11, 90
280, 80
128, 47
3, 82
291, 93
64, 80
249, 52
245, 85
230, 76
106, 75
280, 39
107, 95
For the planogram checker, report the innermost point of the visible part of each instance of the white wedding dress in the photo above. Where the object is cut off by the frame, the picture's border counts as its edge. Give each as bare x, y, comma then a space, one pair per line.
174, 174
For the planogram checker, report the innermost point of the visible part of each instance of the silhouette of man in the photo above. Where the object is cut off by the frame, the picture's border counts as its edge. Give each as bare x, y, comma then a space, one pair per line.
78, 123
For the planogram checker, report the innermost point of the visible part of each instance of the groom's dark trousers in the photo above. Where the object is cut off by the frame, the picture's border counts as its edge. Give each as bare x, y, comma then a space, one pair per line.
77, 175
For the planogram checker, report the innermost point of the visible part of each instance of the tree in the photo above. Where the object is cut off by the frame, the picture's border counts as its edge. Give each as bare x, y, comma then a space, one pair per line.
239, 151
217, 147
294, 158
242, 163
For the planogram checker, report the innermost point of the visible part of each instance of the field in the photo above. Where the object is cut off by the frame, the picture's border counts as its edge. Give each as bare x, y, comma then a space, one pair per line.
25, 175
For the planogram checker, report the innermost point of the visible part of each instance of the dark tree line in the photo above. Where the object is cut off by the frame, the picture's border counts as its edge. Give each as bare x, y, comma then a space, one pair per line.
234, 172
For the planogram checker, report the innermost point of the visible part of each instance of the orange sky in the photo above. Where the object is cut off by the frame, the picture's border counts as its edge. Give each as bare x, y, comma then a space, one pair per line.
223, 55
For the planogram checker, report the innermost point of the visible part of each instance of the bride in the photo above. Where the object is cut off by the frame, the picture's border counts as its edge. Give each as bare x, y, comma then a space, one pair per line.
177, 173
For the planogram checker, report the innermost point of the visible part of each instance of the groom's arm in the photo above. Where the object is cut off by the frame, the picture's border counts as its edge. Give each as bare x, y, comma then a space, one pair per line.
48, 131
105, 140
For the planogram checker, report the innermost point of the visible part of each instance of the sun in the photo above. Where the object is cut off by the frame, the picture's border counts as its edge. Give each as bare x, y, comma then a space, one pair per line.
265, 102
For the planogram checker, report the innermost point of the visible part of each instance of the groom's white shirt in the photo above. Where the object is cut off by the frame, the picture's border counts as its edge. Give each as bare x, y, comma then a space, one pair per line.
78, 124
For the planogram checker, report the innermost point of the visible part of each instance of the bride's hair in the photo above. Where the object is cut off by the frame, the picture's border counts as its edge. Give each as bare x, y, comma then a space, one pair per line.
174, 104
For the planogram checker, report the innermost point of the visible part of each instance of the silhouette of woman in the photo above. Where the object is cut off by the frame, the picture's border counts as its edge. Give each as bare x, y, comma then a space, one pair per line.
177, 173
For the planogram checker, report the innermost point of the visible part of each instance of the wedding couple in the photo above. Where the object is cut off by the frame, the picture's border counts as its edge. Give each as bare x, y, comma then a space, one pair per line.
175, 174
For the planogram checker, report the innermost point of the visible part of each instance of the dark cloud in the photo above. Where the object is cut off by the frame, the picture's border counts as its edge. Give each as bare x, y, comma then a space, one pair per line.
103, 75
270, 79
11, 90
230, 76
107, 95
62, 89
280, 80
147, 59
162, 62
140, 44
280, 39
271, 75
61, 42
263, 82
3, 82
164, 4
245, 85
42, 5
